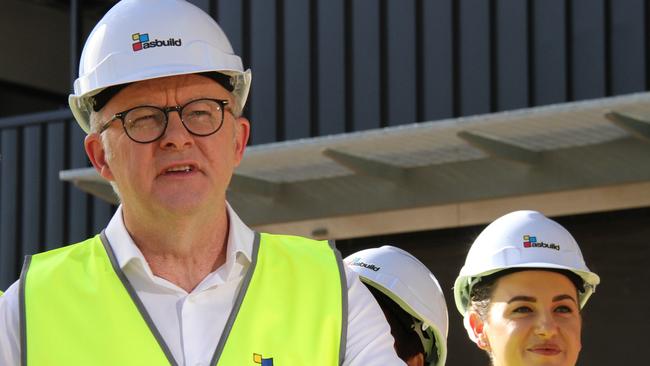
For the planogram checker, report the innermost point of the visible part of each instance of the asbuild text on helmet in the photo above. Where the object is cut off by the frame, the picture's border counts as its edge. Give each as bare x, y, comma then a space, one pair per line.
530, 241
357, 262
142, 42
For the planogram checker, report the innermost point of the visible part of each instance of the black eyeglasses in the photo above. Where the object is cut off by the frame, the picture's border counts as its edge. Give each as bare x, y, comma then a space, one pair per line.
144, 124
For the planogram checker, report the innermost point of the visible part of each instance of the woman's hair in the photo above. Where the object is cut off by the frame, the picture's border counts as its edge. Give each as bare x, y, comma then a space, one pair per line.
481, 293
407, 341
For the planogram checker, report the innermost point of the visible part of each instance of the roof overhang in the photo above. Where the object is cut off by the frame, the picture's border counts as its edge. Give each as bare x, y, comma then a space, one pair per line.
561, 159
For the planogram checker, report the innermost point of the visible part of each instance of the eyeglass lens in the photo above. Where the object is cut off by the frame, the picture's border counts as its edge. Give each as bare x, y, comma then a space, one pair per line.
200, 117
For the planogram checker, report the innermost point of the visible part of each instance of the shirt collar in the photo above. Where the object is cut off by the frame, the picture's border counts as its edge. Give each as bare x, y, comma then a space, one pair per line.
238, 251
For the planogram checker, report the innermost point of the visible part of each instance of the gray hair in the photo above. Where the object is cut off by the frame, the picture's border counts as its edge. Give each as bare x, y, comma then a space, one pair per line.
94, 128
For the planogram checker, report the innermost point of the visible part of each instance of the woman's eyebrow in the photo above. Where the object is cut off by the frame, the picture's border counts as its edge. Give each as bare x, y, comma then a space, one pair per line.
522, 298
564, 297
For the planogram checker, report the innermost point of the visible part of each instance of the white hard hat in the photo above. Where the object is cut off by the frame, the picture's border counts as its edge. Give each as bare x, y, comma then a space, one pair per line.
409, 283
146, 39
522, 239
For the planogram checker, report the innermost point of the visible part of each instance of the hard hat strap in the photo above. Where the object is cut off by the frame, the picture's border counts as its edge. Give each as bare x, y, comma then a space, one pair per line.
428, 340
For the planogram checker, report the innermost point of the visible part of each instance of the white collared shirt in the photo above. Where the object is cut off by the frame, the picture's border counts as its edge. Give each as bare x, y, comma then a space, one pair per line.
191, 323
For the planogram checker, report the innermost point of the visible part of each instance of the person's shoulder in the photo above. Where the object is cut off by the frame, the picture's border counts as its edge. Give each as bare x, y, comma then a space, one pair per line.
69, 249
10, 326
310, 253
67, 260
290, 237
297, 243
9, 304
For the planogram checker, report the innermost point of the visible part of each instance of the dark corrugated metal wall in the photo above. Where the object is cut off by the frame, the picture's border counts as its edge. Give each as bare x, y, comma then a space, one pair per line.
333, 66
37, 210
325, 67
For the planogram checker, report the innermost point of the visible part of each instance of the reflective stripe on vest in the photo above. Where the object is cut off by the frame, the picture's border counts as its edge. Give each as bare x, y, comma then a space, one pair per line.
78, 308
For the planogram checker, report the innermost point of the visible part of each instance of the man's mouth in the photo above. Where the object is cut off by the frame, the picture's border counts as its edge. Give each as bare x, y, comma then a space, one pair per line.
180, 168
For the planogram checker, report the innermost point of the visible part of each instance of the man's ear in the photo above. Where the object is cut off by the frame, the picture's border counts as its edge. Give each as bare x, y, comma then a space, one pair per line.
97, 155
242, 133
478, 331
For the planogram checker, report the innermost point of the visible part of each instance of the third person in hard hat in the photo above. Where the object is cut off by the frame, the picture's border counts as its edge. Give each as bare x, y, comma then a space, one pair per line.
411, 299
522, 289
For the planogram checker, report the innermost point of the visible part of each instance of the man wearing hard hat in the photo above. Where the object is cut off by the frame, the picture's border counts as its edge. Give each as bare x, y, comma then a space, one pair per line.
176, 278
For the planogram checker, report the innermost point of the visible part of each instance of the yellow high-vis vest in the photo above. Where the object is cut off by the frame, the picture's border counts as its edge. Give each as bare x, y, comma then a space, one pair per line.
78, 308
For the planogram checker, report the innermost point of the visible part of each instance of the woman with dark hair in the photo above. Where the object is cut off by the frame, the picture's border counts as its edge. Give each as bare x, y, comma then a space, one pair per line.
411, 300
522, 289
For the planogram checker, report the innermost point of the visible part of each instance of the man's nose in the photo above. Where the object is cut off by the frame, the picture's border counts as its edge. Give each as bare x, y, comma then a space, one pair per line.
176, 136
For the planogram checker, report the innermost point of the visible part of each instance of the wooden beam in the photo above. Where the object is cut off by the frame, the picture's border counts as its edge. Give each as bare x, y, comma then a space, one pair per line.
636, 127
246, 184
365, 166
500, 149
81, 174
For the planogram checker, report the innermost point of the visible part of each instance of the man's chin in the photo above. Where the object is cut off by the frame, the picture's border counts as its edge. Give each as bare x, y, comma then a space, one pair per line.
185, 203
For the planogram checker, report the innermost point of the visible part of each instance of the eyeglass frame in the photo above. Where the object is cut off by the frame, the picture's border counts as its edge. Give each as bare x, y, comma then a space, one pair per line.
165, 110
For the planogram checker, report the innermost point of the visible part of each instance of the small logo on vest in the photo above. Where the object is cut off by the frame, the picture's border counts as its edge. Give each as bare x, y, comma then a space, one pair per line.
257, 358
531, 242
356, 261
142, 42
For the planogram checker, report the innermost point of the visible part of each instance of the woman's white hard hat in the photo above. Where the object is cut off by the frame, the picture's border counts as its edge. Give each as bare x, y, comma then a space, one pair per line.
408, 282
147, 39
522, 239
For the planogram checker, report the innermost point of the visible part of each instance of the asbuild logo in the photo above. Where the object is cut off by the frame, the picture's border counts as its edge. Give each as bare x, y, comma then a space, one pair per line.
142, 42
530, 241
258, 359
356, 261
